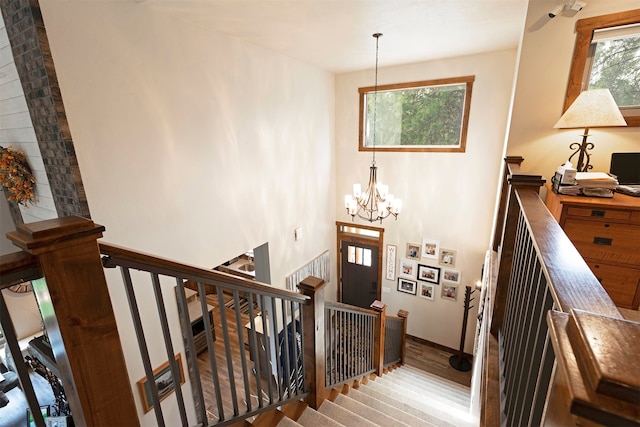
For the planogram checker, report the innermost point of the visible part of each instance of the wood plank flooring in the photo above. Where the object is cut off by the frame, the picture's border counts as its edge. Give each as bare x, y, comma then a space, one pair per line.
434, 359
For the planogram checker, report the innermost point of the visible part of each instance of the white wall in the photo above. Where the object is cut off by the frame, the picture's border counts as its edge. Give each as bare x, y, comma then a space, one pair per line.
17, 131
192, 145
448, 197
543, 75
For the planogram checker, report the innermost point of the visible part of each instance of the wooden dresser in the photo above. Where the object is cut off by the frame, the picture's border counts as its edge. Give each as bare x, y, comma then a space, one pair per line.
606, 232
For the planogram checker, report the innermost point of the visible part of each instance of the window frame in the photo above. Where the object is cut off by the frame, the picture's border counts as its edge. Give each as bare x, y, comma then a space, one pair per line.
467, 80
584, 35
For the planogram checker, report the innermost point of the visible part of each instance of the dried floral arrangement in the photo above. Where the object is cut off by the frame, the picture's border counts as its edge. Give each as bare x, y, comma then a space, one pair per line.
16, 176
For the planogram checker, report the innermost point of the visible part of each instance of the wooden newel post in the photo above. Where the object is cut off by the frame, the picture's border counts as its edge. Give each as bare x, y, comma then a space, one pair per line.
79, 318
378, 336
314, 330
404, 315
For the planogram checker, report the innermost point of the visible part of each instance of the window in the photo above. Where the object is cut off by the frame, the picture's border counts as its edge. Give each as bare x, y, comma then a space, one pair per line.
607, 55
613, 63
419, 116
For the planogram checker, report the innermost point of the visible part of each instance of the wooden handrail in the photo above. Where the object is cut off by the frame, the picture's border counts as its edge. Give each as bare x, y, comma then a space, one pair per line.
18, 267
130, 258
589, 336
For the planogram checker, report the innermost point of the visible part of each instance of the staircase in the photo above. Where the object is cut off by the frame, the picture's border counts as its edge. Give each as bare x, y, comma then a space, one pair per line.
406, 396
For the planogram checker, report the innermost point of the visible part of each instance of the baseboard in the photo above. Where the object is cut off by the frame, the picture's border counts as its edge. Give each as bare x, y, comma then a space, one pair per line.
438, 346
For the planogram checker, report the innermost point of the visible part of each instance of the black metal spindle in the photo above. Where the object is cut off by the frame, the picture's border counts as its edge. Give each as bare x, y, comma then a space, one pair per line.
142, 345
241, 347
227, 346
196, 382
173, 364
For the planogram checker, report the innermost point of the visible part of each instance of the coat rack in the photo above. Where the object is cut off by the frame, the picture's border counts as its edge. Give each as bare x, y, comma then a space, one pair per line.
458, 361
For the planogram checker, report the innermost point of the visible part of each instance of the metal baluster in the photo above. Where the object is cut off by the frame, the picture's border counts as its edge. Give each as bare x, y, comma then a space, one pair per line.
253, 345
142, 344
196, 383
227, 347
286, 379
243, 356
267, 348
173, 364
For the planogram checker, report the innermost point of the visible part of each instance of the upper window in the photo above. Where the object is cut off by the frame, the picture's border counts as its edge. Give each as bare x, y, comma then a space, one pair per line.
607, 55
419, 116
614, 63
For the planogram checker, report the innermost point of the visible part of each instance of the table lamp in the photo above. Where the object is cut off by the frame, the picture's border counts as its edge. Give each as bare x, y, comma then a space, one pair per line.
592, 108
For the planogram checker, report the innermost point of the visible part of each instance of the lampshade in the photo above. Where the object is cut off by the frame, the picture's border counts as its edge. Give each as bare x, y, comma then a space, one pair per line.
593, 108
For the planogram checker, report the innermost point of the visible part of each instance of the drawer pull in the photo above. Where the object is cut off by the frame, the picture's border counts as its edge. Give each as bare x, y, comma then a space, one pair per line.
597, 213
602, 241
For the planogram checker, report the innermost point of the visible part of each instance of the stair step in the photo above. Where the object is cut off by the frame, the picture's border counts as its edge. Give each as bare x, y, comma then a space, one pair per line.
426, 408
287, 422
391, 410
343, 416
407, 369
312, 418
438, 391
371, 413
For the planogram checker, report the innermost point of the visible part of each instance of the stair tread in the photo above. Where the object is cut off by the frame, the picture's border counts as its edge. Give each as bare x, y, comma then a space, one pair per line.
287, 422
433, 409
370, 413
408, 369
438, 391
312, 418
344, 416
391, 410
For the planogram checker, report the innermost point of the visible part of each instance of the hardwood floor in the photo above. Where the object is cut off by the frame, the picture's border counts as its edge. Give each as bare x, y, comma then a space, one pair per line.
435, 360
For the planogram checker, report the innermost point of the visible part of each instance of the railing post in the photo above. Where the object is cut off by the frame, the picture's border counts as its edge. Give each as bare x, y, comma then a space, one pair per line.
314, 348
520, 182
404, 315
378, 337
504, 194
79, 318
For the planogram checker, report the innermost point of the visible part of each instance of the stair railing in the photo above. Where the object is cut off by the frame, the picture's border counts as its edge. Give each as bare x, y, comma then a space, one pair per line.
554, 325
361, 341
255, 361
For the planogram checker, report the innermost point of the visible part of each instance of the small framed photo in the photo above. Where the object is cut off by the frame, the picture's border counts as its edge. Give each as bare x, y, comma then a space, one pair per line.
447, 257
451, 275
426, 291
426, 273
407, 286
413, 251
408, 268
56, 421
164, 381
449, 292
391, 262
430, 248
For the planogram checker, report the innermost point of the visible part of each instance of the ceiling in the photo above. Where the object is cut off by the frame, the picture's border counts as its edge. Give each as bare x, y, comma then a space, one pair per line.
336, 35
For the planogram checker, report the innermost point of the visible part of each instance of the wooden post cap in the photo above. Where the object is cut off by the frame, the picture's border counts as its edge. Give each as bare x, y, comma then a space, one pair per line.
403, 313
44, 236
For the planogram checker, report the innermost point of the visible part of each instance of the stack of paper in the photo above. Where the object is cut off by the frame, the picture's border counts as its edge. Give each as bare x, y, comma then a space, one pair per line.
595, 180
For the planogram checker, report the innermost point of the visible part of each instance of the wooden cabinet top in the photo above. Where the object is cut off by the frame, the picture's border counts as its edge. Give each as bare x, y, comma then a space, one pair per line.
556, 202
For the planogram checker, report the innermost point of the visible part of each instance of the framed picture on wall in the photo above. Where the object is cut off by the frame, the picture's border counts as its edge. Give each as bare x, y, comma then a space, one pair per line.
426, 291
430, 248
407, 268
447, 257
164, 381
413, 251
407, 286
449, 292
391, 262
451, 275
426, 273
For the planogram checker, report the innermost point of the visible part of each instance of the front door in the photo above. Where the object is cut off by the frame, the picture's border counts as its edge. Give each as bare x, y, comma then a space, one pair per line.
359, 265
